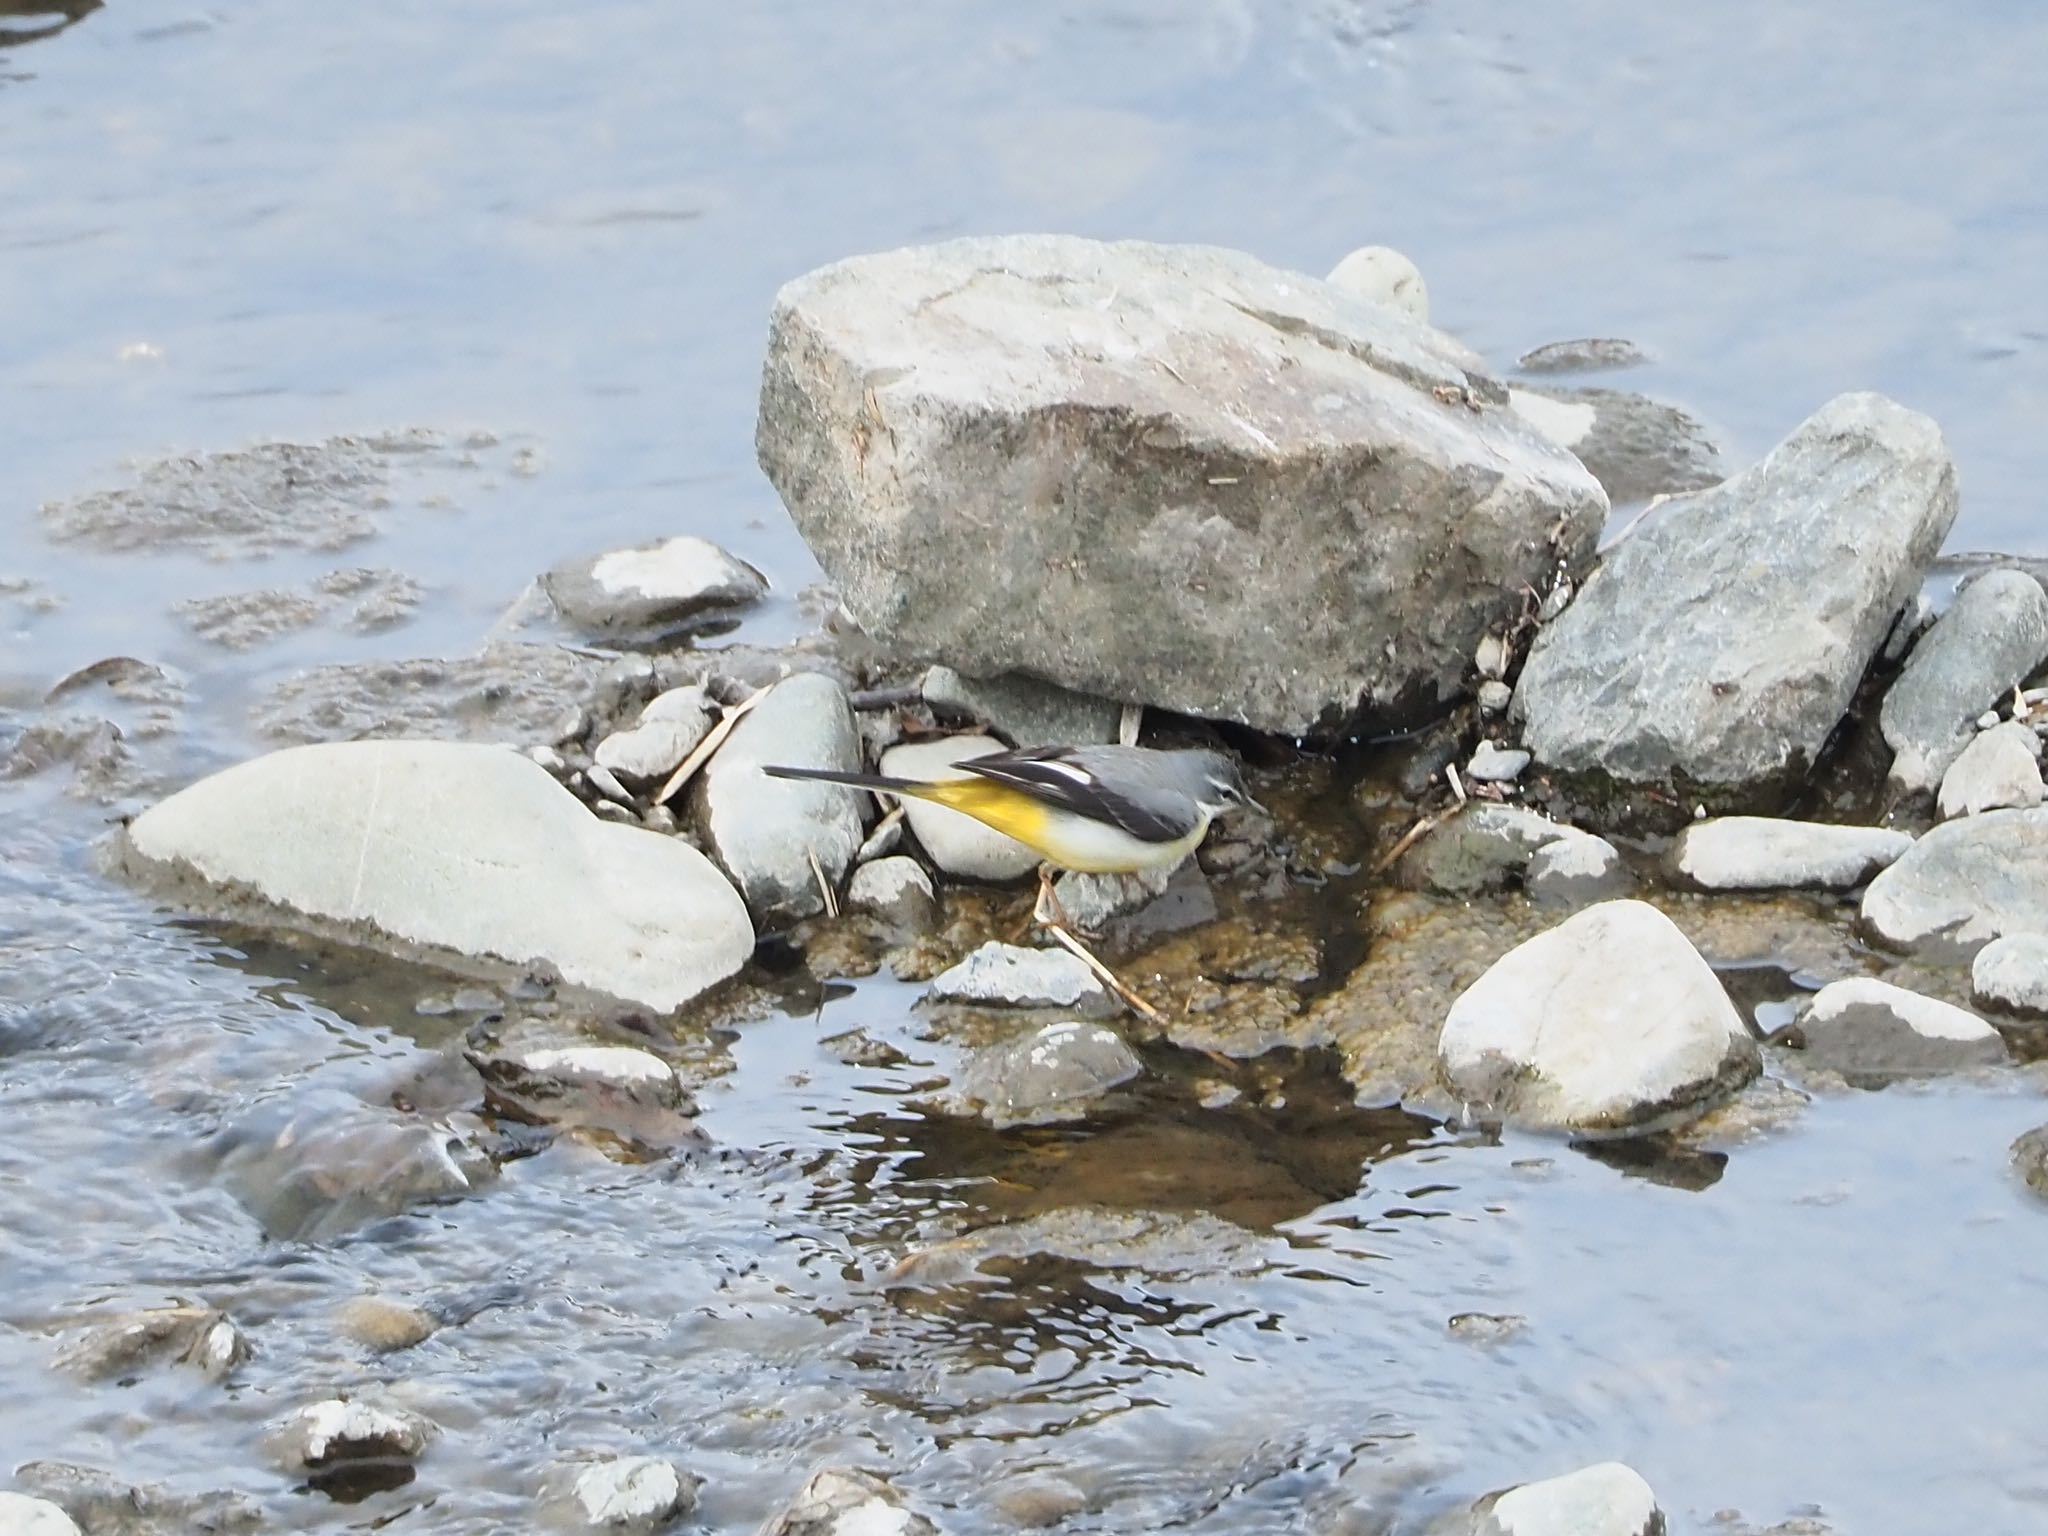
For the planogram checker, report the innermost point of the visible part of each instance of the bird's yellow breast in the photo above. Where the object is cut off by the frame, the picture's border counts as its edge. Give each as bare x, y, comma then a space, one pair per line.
1061, 837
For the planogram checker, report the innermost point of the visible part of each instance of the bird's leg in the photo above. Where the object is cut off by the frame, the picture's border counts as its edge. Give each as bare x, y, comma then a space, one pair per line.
1052, 917
1047, 911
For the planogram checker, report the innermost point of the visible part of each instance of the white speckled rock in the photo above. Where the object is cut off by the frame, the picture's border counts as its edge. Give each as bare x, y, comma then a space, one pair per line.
1769, 853
1993, 637
957, 844
21, 1515
1608, 1499
1964, 884
668, 730
895, 888
1010, 976
1608, 1023
653, 586
342, 1430
1873, 1033
632, 1494
1058, 1073
2011, 975
469, 850
765, 832
1999, 770
842, 1502
1382, 275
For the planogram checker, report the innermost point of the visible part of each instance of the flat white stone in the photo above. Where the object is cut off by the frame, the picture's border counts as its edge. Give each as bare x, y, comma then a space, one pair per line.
1766, 853
624, 1065
1010, 975
1928, 1017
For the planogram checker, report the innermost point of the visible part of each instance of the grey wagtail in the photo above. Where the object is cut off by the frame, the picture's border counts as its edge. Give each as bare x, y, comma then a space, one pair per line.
1099, 810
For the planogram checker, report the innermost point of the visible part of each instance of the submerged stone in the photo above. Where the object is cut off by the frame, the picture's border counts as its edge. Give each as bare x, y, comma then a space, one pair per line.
1874, 1033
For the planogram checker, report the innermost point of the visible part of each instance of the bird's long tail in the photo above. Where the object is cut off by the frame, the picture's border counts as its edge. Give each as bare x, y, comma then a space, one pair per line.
879, 781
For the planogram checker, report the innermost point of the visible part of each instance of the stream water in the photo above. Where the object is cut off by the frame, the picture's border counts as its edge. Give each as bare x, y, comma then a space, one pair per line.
562, 227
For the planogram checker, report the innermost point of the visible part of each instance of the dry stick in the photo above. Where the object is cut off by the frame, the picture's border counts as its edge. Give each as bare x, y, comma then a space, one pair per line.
713, 740
1409, 839
1137, 1004
824, 886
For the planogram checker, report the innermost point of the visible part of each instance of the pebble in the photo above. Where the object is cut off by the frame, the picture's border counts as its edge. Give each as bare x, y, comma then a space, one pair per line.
1011, 976
1769, 853
606, 783
633, 1494
1491, 659
1608, 1499
669, 729
896, 889
2010, 975
2000, 769
339, 1429
1874, 1033
956, 843
652, 587
1495, 764
1495, 697
1383, 276
382, 1325
1608, 1023
1568, 871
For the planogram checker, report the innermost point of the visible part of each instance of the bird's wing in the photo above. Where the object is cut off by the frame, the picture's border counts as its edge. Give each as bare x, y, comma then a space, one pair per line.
1061, 777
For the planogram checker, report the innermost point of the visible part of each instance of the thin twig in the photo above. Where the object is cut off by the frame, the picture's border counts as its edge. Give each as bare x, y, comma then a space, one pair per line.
1457, 783
1137, 1004
1409, 839
824, 886
1130, 723
713, 740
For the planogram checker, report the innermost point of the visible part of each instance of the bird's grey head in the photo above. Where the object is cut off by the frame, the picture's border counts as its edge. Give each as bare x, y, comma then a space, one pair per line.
1217, 785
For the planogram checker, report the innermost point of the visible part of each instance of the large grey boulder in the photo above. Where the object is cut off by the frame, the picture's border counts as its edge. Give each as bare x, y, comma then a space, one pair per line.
1720, 643
453, 850
1769, 853
1166, 474
1608, 1023
1964, 884
767, 833
1994, 636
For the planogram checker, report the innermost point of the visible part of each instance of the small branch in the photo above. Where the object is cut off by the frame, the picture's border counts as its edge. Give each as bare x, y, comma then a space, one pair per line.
713, 740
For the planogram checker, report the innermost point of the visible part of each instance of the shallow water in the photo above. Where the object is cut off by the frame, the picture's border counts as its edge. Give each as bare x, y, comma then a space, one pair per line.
564, 227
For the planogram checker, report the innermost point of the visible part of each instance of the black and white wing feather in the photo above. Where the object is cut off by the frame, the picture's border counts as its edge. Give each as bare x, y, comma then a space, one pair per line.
1065, 777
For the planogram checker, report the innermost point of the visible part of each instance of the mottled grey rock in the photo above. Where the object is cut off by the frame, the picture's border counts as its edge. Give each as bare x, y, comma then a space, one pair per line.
1485, 846
373, 599
1608, 1499
1023, 710
1091, 902
22, 1515
1154, 1243
454, 850
957, 843
633, 1495
1585, 355
840, 1501
1769, 853
667, 731
1608, 1023
105, 1505
2011, 975
341, 1429
1381, 275
1010, 976
652, 587
2030, 1159
1964, 884
1495, 696
1494, 764
896, 889
2000, 769
1720, 643
1873, 1033
126, 1343
1059, 1073
552, 1074
1993, 637
1302, 508
766, 832
1634, 446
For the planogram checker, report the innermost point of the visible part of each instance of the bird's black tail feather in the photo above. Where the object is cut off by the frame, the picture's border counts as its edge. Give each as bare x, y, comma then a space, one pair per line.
879, 781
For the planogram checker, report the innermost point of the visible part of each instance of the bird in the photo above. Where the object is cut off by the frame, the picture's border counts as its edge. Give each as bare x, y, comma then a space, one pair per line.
1100, 810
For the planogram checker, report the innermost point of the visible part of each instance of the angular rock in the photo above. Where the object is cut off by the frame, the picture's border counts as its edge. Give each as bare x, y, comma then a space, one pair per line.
632, 1494
1609, 1023
652, 587
1608, 1499
2011, 975
456, 850
1381, 275
1874, 1033
1010, 976
2000, 769
1769, 853
1302, 509
958, 844
21, 1515
840, 1501
896, 889
1023, 710
1494, 764
1059, 1073
1964, 884
104, 1505
1634, 446
340, 1430
766, 832
1993, 637
1091, 902
668, 730
1718, 645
